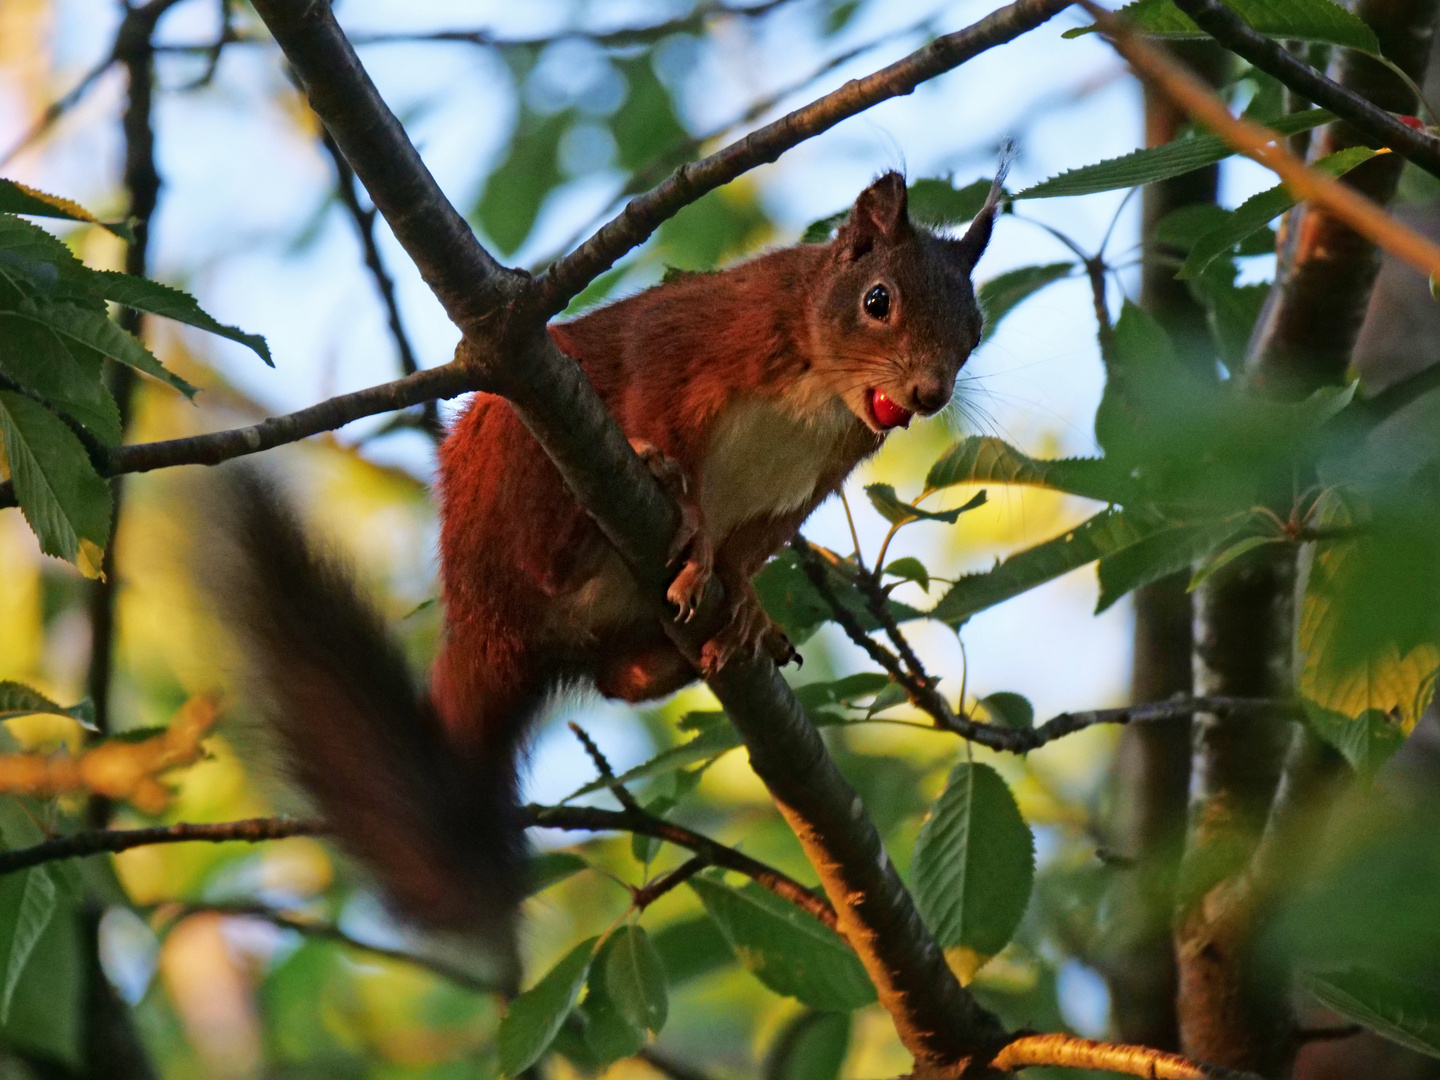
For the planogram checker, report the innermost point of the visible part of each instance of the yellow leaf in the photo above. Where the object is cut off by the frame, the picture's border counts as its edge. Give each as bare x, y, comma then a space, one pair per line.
964, 962
89, 559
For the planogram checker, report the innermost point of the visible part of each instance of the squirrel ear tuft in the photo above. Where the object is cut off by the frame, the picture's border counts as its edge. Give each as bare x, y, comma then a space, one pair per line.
879, 214
968, 249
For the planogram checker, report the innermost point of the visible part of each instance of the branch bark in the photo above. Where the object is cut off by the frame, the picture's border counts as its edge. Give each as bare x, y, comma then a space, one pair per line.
99, 841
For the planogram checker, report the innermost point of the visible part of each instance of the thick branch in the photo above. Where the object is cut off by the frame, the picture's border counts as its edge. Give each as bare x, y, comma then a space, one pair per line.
595, 819
1270, 56
1077, 1053
644, 214
95, 842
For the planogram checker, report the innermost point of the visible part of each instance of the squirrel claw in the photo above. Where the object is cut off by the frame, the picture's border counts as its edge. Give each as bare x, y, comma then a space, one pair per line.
750, 632
690, 541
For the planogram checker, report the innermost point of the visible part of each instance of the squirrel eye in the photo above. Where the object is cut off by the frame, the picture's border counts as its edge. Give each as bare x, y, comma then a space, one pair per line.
877, 303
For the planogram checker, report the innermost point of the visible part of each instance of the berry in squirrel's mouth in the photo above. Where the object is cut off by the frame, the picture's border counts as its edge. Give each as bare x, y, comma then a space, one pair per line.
886, 413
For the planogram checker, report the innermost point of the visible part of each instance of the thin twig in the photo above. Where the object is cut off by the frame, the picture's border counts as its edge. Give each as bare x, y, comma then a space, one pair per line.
607, 774
594, 819
58, 108
98, 841
646, 895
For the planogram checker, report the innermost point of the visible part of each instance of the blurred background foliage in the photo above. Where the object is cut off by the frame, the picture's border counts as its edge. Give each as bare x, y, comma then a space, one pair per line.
275, 960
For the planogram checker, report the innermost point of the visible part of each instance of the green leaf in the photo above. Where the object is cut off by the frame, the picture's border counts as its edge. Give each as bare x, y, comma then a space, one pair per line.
1001, 294
1009, 710
1256, 212
36, 909
893, 510
1404, 1012
1173, 548
552, 867
844, 691
36, 265
1148, 166
974, 863
96, 330
33, 356
635, 977
644, 847
17, 699
785, 948
813, 1046
1106, 532
1228, 555
20, 199
1366, 741
1296, 20
608, 1035
61, 495
691, 948
910, 569
792, 601
1230, 309
982, 459
940, 203
821, 230
536, 1015
518, 185
143, 294
892, 695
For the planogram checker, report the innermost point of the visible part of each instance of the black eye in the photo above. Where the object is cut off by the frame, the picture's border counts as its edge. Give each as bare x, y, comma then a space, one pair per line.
877, 303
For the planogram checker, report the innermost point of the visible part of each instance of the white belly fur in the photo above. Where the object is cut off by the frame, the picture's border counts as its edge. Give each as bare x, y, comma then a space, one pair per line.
764, 460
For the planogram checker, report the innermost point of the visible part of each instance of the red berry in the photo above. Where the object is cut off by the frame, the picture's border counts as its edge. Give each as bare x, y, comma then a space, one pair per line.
887, 413
1412, 122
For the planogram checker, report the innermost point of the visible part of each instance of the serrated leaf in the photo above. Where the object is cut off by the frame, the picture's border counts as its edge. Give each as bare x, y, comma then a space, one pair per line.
910, 568
982, 459
1228, 555
17, 699
785, 948
1256, 212
1000, 295
844, 691
21, 199
60, 493
536, 1015
37, 265
644, 847
1107, 531
974, 863
635, 978
36, 909
1404, 1012
792, 601
142, 294
96, 330
1170, 549
892, 695
1156, 163
1009, 710
550, 868
940, 203
33, 356
897, 512
1296, 20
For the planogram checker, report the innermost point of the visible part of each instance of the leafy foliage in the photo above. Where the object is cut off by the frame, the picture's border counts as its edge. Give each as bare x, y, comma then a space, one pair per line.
1298, 20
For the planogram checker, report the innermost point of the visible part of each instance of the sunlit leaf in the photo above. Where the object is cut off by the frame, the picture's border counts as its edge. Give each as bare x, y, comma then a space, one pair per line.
1173, 548
983, 459
1156, 163
1106, 532
1404, 1012
17, 699
143, 294
536, 1015
974, 863
785, 948
910, 568
61, 495
898, 512
19, 199
635, 978
1000, 295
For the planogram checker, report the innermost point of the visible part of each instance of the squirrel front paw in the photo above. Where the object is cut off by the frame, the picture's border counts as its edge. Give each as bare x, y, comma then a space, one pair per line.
690, 539
749, 632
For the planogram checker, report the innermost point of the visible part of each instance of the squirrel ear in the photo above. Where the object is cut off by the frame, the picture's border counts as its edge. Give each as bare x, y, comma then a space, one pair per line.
878, 214
968, 249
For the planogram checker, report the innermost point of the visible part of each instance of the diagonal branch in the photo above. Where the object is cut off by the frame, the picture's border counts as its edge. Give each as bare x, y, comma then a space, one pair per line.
645, 213
1271, 57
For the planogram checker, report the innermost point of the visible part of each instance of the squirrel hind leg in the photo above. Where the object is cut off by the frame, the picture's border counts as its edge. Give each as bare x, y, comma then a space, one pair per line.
441, 832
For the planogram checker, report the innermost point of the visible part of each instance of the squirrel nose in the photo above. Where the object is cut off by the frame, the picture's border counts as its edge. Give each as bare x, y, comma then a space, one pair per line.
930, 395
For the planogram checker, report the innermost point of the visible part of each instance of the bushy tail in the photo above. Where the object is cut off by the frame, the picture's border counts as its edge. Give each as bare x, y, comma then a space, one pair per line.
440, 833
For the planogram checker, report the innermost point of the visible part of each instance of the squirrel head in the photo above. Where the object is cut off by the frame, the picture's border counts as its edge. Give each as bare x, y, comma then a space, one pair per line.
894, 315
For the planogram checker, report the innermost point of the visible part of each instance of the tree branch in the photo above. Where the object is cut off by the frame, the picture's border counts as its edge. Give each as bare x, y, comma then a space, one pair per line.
1271, 57
594, 819
644, 214
58, 108
1077, 1053
99, 841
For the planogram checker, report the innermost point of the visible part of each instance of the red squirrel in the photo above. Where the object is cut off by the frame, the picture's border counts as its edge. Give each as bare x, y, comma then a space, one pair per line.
754, 391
